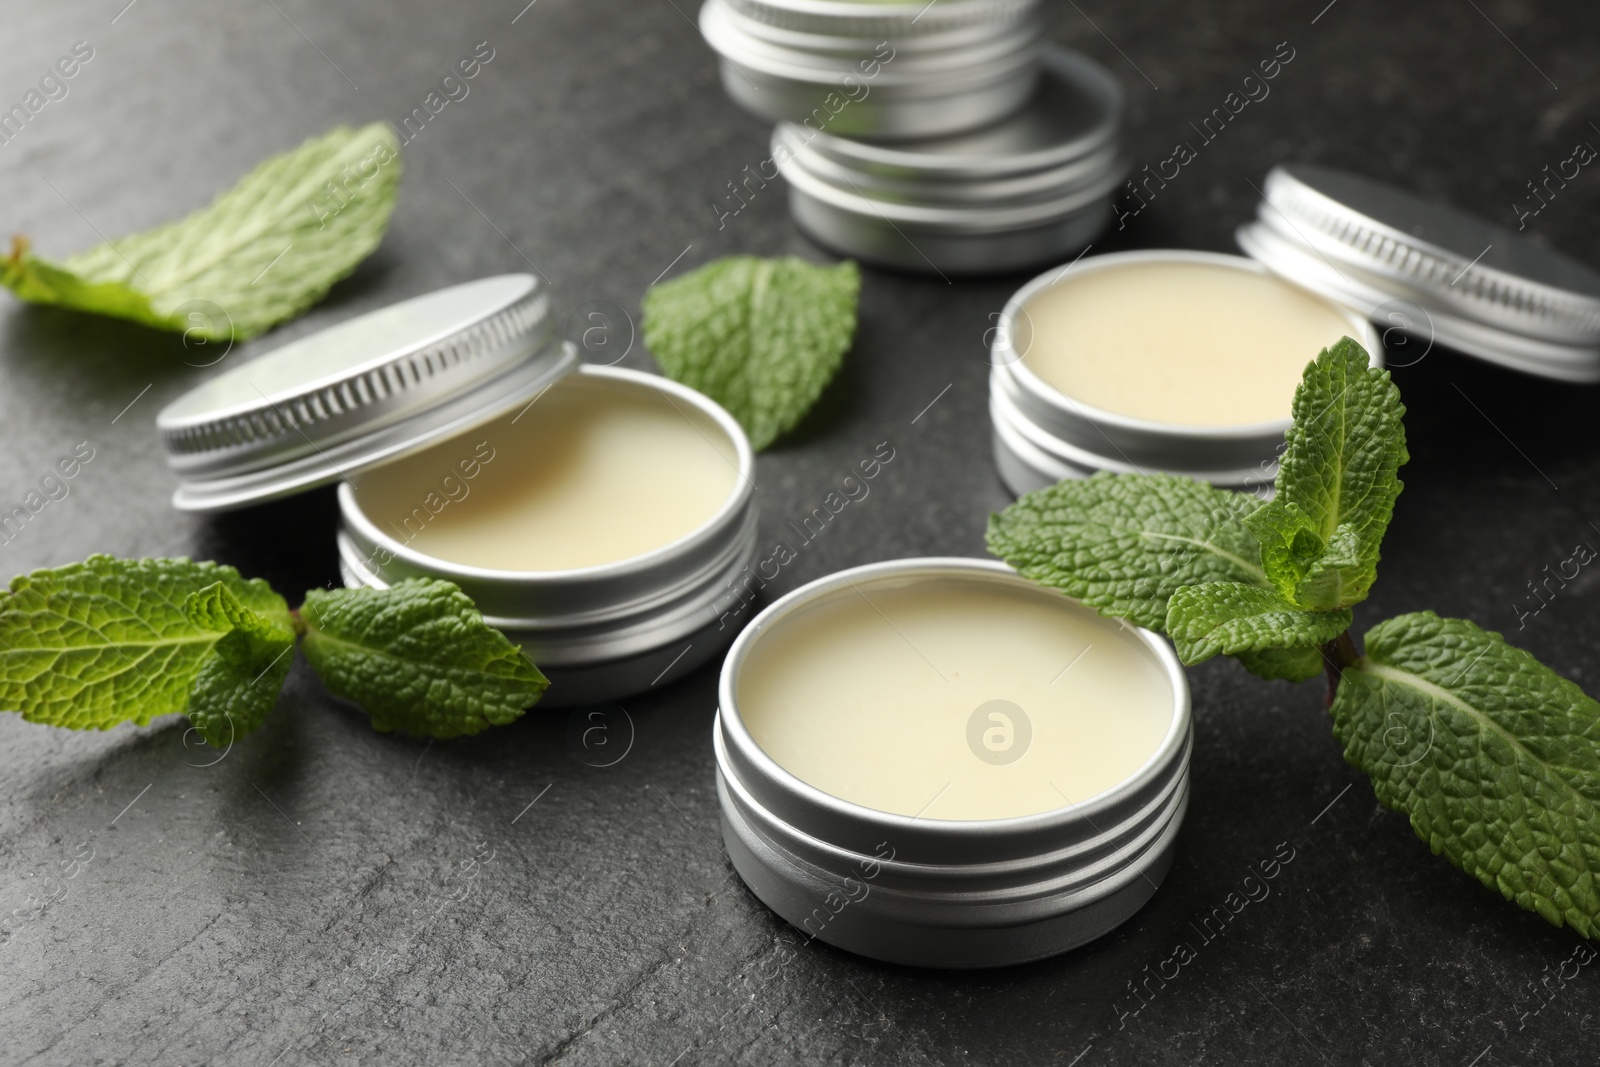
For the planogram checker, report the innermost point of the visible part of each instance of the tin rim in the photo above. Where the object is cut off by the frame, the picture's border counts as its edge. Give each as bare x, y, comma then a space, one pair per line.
1409, 261
966, 44
1012, 423
973, 219
740, 746
882, 18
738, 501
1095, 172
1080, 74
1356, 287
935, 66
1004, 356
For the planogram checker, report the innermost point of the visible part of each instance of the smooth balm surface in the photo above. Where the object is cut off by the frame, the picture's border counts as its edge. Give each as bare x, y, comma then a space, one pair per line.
885, 695
596, 470
1190, 344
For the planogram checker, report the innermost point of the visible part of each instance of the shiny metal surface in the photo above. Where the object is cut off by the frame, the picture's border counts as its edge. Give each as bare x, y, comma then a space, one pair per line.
1041, 430
943, 893
1481, 289
877, 70
1077, 110
602, 630
1032, 188
851, 18
876, 238
324, 406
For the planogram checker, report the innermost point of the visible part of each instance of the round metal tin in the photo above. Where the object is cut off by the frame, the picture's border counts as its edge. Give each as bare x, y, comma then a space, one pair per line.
944, 893
882, 70
1041, 435
324, 406
601, 632
1478, 288
1031, 188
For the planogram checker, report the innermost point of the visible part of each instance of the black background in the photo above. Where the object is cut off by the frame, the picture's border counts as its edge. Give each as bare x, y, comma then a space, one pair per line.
296, 902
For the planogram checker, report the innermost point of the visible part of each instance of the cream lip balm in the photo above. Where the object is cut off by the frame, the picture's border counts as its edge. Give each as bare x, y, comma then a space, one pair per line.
940, 763
585, 475
1160, 360
955, 697
1178, 342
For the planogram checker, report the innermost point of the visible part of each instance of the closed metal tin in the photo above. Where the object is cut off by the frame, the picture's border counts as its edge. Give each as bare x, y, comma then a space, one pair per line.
603, 632
944, 893
880, 70
1481, 289
1031, 188
1041, 435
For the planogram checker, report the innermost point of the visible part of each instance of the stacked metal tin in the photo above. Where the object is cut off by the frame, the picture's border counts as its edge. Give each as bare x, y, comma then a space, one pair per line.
940, 137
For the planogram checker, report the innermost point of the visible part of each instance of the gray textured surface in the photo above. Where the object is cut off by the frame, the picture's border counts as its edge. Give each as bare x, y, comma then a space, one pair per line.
311, 897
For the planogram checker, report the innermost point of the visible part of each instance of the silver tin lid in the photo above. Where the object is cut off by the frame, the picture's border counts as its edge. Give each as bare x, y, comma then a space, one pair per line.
324, 406
1059, 153
1075, 114
1481, 289
880, 20
955, 203
883, 70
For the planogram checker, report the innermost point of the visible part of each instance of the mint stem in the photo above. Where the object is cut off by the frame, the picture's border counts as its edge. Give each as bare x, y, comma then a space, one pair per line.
1338, 654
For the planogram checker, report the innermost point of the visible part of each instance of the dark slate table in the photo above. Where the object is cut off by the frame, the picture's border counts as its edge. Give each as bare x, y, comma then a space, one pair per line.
324, 894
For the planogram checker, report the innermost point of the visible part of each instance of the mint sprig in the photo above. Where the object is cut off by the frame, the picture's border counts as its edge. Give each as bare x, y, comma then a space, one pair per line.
761, 337
1493, 756
1336, 483
263, 252
91, 645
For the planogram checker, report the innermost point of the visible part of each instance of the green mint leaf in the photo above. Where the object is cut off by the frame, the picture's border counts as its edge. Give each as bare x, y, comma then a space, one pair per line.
1290, 543
1282, 664
240, 682
1231, 617
1336, 484
418, 657
263, 252
106, 641
1495, 758
1335, 579
761, 337
1125, 543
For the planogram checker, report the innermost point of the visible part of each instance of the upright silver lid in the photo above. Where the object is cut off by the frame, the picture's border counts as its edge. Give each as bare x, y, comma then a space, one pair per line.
1429, 269
389, 382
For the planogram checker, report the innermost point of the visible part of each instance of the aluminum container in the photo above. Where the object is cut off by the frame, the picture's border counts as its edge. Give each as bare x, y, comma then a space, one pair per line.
885, 71
1032, 188
1041, 435
944, 893
332, 405
370, 388
604, 632
1428, 270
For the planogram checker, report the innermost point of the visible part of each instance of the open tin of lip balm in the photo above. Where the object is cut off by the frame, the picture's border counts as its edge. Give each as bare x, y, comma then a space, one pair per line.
937, 762
1174, 361
1033, 187
885, 70
596, 515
